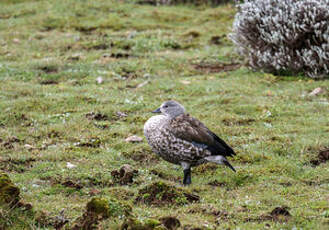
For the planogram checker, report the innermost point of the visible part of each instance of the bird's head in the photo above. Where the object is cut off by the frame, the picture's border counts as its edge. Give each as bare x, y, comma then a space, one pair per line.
171, 109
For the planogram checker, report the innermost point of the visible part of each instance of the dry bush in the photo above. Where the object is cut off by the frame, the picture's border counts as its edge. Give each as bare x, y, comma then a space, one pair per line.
284, 36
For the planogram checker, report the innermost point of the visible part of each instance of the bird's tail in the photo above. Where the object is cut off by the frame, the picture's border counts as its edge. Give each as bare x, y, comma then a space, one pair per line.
220, 160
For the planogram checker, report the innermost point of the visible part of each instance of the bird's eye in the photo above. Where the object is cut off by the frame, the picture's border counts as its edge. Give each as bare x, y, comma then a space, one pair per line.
166, 106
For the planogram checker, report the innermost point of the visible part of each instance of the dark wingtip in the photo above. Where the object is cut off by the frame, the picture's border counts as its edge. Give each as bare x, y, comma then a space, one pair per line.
229, 165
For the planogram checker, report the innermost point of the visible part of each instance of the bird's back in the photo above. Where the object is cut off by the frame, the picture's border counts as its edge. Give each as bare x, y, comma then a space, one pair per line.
191, 129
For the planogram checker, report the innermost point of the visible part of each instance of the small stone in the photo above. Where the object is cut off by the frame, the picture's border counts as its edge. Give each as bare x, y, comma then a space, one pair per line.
29, 147
185, 82
134, 139
121, 114
142, 84
316, 91
75, 57
99, 80
70, 165
16, 40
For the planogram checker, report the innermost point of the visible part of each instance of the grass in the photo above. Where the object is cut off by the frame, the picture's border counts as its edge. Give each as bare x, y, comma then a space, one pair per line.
51, 54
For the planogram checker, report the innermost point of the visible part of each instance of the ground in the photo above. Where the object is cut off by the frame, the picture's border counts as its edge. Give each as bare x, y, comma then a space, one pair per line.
77, 77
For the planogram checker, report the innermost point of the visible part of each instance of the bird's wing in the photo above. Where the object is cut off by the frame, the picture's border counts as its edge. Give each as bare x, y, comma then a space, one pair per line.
190, 129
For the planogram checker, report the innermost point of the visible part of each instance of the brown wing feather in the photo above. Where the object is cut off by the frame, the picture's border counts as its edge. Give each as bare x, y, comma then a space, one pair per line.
191, 129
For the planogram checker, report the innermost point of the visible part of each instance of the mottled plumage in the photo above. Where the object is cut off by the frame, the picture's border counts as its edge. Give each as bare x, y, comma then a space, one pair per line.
181, 139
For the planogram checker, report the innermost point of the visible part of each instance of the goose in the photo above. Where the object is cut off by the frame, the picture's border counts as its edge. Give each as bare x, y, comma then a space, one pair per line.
183, 140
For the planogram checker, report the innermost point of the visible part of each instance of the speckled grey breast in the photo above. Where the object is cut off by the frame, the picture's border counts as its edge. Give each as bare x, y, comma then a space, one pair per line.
169, 147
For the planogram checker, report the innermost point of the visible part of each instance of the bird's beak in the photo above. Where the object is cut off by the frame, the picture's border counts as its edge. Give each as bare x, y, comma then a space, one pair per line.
157, 111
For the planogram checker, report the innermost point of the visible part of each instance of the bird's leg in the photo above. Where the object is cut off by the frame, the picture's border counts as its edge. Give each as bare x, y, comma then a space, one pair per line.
187, 176
187, 173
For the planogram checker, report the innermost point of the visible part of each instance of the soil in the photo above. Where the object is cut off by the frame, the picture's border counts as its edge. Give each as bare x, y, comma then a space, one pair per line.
72, 184
124, 175
171, 223
216, 67
278, 214
322, 157
161, 194
97, 116
217, 183
232, 122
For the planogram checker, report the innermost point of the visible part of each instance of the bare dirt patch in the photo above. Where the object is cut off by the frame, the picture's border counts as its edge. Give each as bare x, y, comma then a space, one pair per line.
161, 194
124, 175
16, 165
216, 40
98, 46
49, 69
217, 183
48, 82
97, 116
278, 214
98, 209
53, 134
233, 122
208, 210
119, 55
85, 29
322, 157
72, 184
171, 223
9, 144
44, 219
206, 67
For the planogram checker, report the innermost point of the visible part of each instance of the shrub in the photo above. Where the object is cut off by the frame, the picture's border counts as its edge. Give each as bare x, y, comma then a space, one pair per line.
281, 36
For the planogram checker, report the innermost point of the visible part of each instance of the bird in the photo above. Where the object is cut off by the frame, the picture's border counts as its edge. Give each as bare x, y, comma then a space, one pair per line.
183, 140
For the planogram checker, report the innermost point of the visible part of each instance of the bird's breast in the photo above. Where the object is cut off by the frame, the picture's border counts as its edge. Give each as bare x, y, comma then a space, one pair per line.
168, 146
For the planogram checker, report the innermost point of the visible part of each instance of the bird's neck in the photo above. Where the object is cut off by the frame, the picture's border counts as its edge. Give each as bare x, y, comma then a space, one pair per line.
173, 116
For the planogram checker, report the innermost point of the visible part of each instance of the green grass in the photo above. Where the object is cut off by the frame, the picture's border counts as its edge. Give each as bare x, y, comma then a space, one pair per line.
51, 54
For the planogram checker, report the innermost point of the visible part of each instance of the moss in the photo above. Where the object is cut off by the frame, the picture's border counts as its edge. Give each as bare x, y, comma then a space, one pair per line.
148, 224
108, 207
9, 193
152, 223
99, 206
